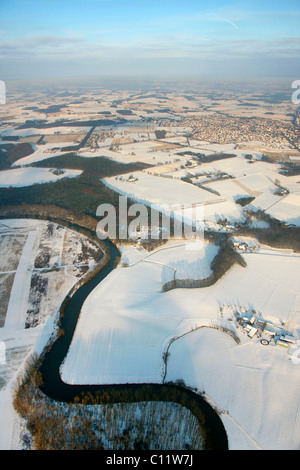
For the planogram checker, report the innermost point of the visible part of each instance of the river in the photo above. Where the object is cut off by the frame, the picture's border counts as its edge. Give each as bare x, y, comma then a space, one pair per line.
56, 389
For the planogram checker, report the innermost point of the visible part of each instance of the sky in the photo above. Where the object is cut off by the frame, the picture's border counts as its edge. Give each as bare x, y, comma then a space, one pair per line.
157, 38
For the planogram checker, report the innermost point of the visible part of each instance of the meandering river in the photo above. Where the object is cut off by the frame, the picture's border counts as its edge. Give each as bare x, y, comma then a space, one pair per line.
55, 388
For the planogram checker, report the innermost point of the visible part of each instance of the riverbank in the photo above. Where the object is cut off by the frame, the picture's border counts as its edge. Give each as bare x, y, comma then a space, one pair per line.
40, 263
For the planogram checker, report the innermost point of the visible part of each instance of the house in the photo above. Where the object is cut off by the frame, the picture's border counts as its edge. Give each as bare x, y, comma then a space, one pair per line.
251, 330
131, 179
243, 246
287, 338
249, 318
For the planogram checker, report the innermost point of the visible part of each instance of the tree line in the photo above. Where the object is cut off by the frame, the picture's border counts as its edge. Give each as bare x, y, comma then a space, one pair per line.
226, 257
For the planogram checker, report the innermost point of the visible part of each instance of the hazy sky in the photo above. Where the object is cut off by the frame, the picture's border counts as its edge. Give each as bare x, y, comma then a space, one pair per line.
164, 38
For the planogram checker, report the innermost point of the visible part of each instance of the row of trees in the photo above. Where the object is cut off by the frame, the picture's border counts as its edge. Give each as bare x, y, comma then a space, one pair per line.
222, 262
69, 198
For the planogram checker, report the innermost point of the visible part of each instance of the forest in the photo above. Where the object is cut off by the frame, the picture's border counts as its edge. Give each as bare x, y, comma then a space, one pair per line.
97, 166
43, 124
277, 234
72, 199
9, 153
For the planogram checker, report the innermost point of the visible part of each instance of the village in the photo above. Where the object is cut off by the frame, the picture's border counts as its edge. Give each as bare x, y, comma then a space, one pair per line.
228, 128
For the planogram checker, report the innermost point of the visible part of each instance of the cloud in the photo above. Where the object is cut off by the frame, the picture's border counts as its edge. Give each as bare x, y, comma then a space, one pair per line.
40, 46
172, 54
46, 47
225, 20
50, 41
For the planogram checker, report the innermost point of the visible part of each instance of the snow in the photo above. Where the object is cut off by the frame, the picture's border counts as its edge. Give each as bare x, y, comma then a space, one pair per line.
20, 177
32, 131
173, 194
41, 152
255, 387
7, 414
257, 180
17, 343
122, 338
228, 189
287, 209
188, 264
16, 311
117, 340
215, 211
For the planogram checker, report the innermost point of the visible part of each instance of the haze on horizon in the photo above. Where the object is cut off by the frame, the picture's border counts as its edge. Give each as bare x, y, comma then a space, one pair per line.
154, 39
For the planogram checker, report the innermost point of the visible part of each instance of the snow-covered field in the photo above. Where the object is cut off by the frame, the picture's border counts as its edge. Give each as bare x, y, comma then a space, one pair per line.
287, 209
148, 316
45, 261
31, 131
161, 186
167, 195
41, 152
122, 338
256, 387
158, 190
28, 176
